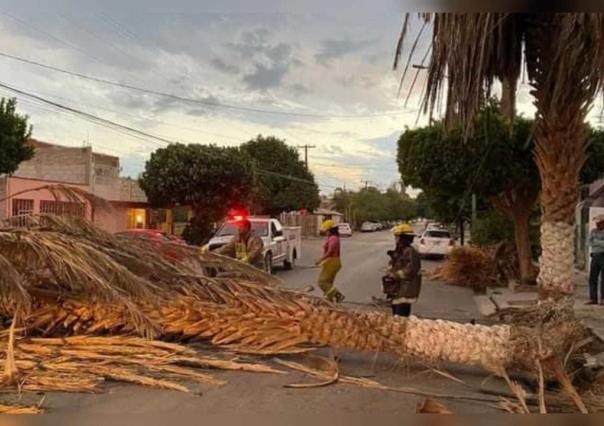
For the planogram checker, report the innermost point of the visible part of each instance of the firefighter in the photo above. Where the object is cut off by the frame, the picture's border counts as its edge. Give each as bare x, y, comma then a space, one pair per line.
330, 262
245, 247
403, 281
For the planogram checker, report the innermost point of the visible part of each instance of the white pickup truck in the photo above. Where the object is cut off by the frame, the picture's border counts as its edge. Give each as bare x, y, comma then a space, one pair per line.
281, 244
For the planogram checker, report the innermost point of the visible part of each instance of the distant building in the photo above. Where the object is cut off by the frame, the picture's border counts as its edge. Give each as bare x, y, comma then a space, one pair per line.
80, 168
310, 222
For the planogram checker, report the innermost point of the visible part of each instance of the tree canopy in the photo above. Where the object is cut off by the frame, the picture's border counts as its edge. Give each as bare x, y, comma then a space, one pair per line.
275, 193
446, 165
208, 178
370, 204
14, 134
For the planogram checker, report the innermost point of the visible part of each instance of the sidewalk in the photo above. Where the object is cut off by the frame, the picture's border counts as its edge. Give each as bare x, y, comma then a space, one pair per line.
498, 299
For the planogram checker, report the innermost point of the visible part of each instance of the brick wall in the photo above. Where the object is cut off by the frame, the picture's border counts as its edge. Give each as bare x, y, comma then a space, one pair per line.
121, 189
57, 163
2, 195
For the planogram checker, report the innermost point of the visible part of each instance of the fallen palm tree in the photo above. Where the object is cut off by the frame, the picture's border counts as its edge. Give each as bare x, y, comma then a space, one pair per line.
479, 267
65, 279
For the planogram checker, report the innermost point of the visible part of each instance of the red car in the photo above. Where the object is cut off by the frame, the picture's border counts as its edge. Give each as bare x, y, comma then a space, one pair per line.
151, 234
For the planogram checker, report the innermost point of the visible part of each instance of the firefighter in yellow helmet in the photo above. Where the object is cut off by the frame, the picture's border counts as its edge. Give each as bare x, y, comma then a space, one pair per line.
402, 283
330, 262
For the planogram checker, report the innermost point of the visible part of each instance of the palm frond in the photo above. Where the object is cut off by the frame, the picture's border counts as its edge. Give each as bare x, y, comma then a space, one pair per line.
472, 50
69, 193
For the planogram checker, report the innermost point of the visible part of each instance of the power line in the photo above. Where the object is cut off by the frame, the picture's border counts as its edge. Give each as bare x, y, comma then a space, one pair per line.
192, 100
50, 36
104, 121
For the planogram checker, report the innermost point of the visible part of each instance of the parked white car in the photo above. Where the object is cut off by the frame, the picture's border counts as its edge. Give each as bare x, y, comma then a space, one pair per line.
281, 244
345, 230
369, 227
434, 242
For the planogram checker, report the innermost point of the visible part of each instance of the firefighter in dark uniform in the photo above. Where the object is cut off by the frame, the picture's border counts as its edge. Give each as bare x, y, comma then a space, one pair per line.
402, 283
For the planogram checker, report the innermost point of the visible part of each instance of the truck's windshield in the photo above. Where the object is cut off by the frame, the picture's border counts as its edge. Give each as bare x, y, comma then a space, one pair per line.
260, 229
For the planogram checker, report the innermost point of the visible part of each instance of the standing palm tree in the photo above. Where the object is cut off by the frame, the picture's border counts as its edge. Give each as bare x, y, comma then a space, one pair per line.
564, 57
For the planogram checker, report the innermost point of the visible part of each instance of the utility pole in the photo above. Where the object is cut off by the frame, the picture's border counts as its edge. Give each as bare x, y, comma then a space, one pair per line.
366, 182
306, 148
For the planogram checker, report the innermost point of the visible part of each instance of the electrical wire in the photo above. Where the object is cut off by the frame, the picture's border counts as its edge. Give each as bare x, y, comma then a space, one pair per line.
130, 130
193, 100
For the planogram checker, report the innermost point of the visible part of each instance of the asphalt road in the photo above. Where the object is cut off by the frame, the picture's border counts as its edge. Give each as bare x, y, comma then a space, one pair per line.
260, 395
364, 261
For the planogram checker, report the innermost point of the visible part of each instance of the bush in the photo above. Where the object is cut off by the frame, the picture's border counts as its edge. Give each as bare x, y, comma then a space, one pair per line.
492, 228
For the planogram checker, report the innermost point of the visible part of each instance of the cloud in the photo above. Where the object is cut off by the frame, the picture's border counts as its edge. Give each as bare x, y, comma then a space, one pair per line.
300, 89
279, 53
264, 77
333, 49
221, 65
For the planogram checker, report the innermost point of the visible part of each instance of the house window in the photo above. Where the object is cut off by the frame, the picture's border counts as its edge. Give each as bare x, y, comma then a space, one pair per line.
22, 206
63, 208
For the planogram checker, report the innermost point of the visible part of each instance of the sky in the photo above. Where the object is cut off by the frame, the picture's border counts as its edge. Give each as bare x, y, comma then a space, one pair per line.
312, 72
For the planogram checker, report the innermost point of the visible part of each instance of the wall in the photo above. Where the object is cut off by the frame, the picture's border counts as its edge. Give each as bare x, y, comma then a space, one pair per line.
121, 189
112, 221
3, 204
15, 185
57, 163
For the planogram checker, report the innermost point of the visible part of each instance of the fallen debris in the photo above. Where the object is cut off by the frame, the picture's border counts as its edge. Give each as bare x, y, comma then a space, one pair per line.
429, 406
84, 363
479, 267
68, 280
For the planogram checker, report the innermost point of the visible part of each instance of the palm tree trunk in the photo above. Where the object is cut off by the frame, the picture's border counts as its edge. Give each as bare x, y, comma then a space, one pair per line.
560, 153
268, 321
564, 74
517, 204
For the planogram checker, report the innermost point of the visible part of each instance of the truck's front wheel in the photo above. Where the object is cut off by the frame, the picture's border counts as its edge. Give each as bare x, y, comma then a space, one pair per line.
268, 263
290, 265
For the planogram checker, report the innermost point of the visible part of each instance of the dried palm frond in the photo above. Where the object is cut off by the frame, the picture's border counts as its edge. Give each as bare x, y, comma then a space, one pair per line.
15, 409
479, 267
429, 406
472, 50
83, 364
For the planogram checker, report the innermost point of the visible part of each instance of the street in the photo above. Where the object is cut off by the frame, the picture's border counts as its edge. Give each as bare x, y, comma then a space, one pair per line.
364, 259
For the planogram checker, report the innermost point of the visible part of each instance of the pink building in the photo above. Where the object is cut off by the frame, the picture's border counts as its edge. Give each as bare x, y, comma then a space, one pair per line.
81, 168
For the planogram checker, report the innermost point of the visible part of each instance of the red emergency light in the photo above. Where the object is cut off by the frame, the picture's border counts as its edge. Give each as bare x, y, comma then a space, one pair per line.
238, 215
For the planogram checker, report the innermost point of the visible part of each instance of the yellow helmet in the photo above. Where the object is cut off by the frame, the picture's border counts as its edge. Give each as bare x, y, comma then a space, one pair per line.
403, 228
327, 225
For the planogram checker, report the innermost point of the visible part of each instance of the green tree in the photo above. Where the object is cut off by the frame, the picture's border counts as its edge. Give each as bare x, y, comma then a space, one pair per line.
343, 203
14, 134
209, 179
495, 163
369, 205
275, 193
399, 205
